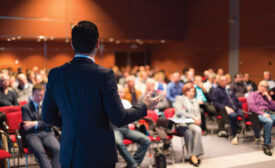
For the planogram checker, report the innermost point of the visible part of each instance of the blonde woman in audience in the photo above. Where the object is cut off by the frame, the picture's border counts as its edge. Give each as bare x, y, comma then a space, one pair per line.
160, 85
187, 107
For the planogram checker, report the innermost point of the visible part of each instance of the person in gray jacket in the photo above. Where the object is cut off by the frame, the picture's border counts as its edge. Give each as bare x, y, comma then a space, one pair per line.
187, 107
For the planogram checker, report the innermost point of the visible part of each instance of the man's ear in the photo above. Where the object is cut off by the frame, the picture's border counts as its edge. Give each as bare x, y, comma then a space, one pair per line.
97, 44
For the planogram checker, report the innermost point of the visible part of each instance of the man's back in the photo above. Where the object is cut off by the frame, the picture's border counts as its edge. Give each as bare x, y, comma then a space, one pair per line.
86, 95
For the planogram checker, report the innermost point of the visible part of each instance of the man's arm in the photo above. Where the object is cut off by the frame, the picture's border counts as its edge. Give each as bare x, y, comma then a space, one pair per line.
252, 104
49, 107
216, 98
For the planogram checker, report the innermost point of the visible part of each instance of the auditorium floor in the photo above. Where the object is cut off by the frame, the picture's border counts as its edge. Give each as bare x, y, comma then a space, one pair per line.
218, 153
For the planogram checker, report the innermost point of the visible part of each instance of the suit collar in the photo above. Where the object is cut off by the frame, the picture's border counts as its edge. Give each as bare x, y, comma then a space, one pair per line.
81, 60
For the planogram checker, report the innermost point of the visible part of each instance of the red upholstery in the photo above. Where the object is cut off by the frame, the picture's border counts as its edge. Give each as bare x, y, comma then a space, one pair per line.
219, 117
169, 112
240, 118
242, 100
131, 126
152, 115
154, 138
127, 141
13, 120
8, 109
13, 138
26, 151
22, 103
248, 123
4, 154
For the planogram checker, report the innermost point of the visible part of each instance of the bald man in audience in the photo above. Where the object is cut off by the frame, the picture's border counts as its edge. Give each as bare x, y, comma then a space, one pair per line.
260, 102
7, 97
24, 89
267, 77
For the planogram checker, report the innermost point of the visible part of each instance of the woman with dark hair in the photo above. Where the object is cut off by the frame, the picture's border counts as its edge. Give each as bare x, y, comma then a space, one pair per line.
187, 107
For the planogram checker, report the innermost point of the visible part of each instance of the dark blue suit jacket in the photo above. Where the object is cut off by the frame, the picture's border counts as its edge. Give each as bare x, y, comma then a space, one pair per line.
29, 113
86, 95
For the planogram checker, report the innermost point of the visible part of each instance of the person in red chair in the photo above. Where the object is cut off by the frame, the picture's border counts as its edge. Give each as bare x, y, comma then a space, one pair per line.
260, 102
136, 136
38, 134
187, 107
229, 107
7, 97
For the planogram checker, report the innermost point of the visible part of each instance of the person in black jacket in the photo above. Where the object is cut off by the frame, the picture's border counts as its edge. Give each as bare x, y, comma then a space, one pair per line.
39, 135
86, 96
228, 106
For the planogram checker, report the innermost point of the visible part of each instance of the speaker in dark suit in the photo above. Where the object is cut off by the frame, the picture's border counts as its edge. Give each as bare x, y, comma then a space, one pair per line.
39, 136
87, 98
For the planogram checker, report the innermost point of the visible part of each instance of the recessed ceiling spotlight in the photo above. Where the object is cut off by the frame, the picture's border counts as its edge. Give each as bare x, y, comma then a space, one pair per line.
13, 38
117, 42
111, 39
137, 40
40, 37
18, 37
8, 39
162, 41
51, 38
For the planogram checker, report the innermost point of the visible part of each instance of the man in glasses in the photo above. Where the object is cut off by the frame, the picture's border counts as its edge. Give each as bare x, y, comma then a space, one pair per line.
261, 103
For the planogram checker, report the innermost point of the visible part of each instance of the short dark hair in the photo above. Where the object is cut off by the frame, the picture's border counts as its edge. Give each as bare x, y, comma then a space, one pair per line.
84, 37
37, 87
236, 74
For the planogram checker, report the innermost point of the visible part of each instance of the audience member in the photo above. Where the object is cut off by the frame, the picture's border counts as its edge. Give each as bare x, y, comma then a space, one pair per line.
250, 85
150, 87
238, 87
261, 103
24, 89
228, 106
174, 88
203, 101
160, 85
7, 97
131, 93
133, 135
267, 77
39, 136
187, 107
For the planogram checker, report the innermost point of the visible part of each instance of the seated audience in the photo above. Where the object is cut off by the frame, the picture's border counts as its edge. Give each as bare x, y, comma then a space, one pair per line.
250, 85
267, 77
187, 107
150, 85
131, 93
210, 82
261, 103
228, 106
238, 87
174, 88
7, 97
39, 136
135, 136
160, 85
24, 89
203, 101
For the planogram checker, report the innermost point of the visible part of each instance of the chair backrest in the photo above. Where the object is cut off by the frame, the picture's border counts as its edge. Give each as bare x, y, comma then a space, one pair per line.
22, 103
169, 112
152, 115
243, 100
8, 109
13, 120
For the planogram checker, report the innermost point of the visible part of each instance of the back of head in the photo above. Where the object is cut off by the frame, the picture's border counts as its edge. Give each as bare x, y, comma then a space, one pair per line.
84, 37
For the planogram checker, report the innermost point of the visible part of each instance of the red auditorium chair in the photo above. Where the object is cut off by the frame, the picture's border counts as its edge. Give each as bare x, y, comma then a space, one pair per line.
13, 120
5, 155
22, 103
